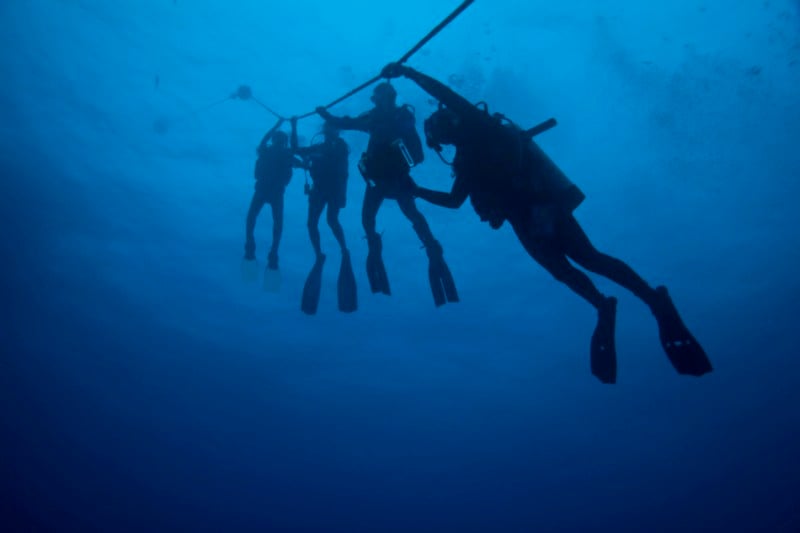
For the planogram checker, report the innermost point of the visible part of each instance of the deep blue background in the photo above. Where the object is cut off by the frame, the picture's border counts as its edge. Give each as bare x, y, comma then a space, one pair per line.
144, 387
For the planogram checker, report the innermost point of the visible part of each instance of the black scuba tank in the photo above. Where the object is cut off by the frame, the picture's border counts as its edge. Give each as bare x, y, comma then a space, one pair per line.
549, 182
537, 173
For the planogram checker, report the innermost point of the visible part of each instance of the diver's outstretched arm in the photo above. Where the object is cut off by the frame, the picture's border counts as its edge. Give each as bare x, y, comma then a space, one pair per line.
359, 123
453, 199
270, 133
434, 87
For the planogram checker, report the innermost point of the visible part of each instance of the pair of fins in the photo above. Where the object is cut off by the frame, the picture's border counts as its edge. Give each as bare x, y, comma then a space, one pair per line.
272, 276
443, 288
683, 350
346, 287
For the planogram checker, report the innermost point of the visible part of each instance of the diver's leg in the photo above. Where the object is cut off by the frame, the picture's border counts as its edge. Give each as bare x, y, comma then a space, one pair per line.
256, 203
277, 230
421, 227
313, 285
443, 286
346, 291
580, 249
548, 253
376, 271
369, 211
683, 350
552, 257
315, 206
336, 226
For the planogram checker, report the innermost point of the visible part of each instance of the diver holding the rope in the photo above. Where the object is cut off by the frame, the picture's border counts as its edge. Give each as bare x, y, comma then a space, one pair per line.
507, 176
273, 171
394, 147
328, 166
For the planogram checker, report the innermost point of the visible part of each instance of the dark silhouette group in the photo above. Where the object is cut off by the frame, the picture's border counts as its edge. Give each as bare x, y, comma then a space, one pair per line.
497, 166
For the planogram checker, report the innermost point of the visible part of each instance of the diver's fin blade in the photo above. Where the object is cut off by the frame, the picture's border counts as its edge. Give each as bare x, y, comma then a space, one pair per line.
272, 280
374, 286
346, 286
683, 350
249, 270
312, 288
603, 349
687, 356
383, 278
449, 284
437, 290
376, 273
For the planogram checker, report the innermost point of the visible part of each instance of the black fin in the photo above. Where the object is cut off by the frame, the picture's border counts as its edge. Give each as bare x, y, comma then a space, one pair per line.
604, 350
346, 286
683, 350
311, 289
376, 271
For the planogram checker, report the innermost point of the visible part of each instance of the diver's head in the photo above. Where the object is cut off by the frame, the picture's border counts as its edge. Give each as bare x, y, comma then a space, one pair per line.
329, 130
280, 139
442, 127
384, 96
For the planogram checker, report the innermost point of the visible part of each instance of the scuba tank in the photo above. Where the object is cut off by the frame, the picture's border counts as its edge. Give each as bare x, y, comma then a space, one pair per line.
550, 182
535, 172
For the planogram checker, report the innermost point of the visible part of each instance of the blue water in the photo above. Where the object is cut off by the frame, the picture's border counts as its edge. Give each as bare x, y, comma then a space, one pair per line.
145, 387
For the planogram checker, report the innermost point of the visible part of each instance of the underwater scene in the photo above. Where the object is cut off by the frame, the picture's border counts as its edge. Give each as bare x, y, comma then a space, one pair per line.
431, 266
